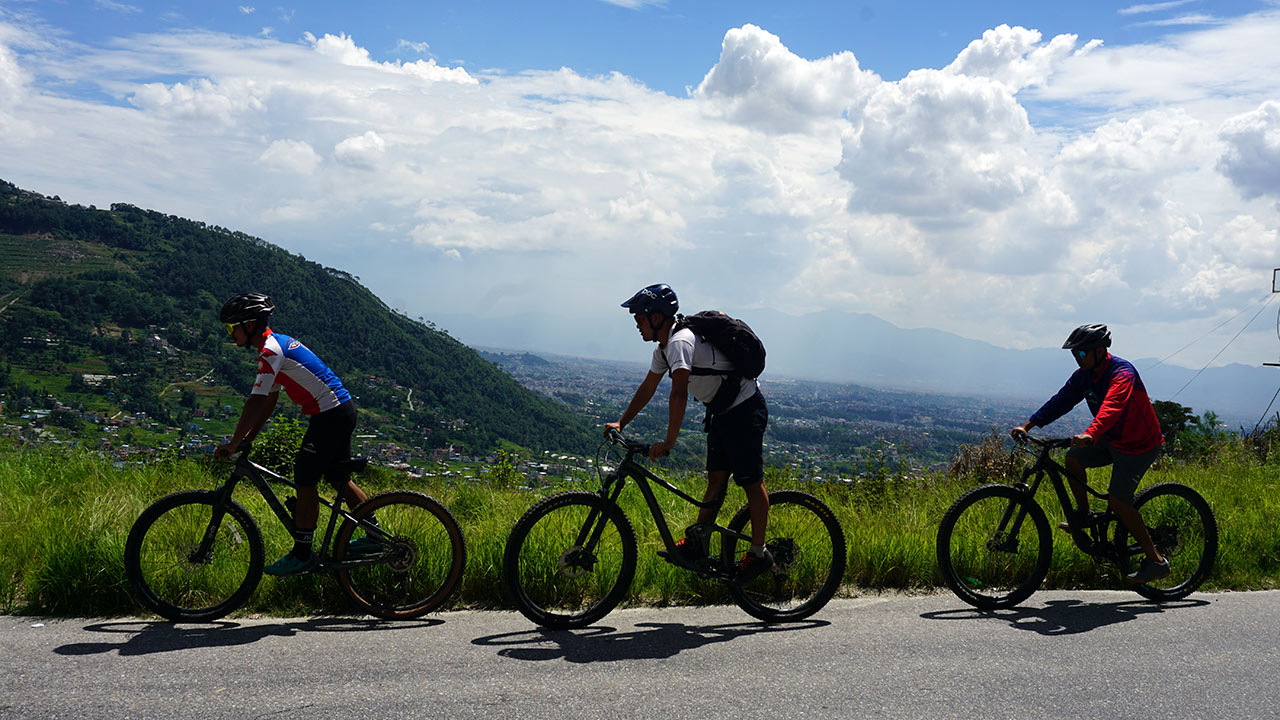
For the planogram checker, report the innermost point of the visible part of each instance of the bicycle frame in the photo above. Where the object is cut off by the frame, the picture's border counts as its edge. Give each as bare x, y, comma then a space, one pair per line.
1090, 535
261, 478
611, 489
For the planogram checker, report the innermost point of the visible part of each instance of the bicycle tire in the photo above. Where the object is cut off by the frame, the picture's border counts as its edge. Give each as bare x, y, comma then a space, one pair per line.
551, 578
987, 570
1185, 531
168, 581
809, 551
421, 566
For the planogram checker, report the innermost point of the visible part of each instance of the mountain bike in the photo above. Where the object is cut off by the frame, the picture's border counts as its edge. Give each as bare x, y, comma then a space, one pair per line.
994, 543
196, 555
571, 557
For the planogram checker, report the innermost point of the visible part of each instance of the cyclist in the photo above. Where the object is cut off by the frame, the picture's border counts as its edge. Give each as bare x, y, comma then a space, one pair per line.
284, 362
735, 437
1125, 434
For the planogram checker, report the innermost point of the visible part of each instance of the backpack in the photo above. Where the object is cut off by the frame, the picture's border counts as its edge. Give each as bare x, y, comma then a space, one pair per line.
735, 339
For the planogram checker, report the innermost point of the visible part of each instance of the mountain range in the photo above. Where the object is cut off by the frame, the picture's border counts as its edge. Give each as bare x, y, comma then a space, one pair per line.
859, 348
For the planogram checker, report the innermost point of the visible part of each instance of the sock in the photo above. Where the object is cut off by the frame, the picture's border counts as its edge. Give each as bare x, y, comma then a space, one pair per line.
302, 544
757, 550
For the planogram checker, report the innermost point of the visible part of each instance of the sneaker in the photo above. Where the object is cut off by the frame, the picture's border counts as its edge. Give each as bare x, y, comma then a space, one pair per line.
752, 566
290, 565
686, 554
364, 546
1149, 570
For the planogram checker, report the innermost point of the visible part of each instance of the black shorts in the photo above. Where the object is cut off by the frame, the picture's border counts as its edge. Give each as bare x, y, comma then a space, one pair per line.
1126, 470
735, 440
326, 442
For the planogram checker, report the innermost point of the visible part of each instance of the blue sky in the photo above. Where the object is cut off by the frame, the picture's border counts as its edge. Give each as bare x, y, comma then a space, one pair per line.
1004, 171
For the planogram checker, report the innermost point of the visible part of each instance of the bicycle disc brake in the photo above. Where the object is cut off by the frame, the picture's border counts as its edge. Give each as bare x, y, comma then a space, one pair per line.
404, 555
785, 554
576, 561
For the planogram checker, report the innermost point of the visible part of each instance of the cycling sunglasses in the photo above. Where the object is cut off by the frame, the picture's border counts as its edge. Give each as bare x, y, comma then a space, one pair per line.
1080, 354
231, 328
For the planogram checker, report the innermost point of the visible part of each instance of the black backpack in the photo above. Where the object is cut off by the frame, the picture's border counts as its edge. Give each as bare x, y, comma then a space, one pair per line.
736, 340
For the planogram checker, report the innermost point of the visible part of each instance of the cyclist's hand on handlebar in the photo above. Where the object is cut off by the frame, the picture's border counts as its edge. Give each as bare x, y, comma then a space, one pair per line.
222, 452
614, 427
1019, 433
659, 450
1081, 440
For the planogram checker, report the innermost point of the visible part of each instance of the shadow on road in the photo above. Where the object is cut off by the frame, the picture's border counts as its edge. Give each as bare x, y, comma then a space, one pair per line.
1066, 617
606, 644
145, 638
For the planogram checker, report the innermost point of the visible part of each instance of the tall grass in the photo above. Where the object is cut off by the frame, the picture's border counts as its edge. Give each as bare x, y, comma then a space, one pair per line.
65, 516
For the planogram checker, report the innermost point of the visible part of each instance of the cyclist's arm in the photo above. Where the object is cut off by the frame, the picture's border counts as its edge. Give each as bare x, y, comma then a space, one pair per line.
643, 395
1060, 404
675, 413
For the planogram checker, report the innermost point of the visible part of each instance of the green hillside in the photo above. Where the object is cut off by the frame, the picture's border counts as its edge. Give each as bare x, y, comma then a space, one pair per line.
114, 311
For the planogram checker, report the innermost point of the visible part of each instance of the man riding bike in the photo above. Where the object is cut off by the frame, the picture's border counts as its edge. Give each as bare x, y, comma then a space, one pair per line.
735, 437
1125, 434
284, 362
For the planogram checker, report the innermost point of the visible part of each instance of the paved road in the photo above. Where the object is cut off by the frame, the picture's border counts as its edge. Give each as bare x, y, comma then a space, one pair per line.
1064, 654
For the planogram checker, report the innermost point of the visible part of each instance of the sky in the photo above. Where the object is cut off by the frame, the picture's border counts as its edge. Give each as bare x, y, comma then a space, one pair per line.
1003, 171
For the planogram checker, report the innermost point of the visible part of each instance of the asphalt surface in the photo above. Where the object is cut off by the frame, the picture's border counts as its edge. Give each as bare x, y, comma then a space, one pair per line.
1061, 654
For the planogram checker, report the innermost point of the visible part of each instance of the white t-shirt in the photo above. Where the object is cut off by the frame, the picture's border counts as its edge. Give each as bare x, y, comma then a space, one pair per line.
685, 351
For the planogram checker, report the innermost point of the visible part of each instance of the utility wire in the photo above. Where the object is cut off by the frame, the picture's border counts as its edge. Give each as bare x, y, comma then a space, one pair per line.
1264, 412
1224, 347
1215, 329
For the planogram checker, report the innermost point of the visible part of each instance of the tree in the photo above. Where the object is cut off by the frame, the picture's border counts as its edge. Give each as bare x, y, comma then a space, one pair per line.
1173, 417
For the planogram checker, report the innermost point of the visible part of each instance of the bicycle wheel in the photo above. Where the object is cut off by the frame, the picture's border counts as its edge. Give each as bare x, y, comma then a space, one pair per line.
569, 560
417, 570
1184, 530
985, 563
160, 561
808, 550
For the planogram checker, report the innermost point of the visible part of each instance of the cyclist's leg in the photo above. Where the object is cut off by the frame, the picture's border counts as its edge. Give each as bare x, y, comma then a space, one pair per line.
308, 466
1126, 472
716, 481
745, 440
758, 503
338, 448
1078, 461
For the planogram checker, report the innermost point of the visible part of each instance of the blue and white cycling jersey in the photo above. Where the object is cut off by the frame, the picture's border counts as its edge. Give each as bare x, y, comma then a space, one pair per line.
286, 363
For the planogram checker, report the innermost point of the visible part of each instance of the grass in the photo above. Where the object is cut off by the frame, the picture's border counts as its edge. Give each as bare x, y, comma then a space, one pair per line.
67, 513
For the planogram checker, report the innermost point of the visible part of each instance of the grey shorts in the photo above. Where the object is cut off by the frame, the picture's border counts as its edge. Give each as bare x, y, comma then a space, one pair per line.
1127, 470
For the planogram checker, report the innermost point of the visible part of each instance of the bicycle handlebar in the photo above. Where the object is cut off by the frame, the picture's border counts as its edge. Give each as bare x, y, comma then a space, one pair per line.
617, 438
1045, 443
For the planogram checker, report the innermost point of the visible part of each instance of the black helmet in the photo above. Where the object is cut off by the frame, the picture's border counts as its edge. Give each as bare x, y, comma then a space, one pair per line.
1087, 337
245, 307
658, 298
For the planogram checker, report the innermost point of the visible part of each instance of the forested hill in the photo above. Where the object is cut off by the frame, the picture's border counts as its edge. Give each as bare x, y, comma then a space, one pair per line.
80, 286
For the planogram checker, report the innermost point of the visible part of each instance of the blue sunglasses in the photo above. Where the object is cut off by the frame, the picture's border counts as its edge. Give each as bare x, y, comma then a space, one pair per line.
1080, 354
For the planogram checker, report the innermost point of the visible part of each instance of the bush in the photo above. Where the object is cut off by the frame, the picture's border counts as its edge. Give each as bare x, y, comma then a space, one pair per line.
986, 461
278, 443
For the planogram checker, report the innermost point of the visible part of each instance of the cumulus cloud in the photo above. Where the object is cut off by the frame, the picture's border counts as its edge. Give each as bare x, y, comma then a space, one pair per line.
759, 82
1251, 158
361, 151
293, 156
944, 199
343, 49
1013, 56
